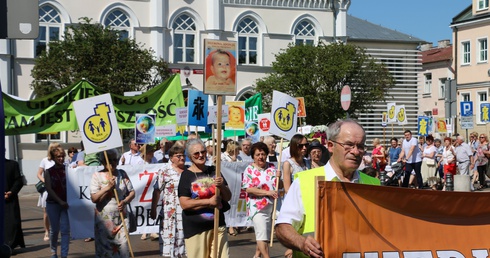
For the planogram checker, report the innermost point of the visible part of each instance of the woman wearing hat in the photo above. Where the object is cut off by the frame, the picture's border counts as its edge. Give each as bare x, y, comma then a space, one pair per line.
315, 152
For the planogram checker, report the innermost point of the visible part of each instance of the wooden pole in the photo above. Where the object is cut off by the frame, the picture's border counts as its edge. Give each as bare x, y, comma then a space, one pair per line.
277, 189
218, 174
109, 167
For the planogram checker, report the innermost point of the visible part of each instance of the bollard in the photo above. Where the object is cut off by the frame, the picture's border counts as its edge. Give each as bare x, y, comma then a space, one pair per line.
449, 182
382, 177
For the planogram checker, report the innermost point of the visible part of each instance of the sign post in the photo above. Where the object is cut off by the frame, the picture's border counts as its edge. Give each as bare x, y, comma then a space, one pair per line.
345, 97
466, 116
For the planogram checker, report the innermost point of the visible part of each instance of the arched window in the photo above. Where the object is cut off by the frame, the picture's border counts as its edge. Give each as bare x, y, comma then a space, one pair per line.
248, 34
119, 20
184, 28
304, 33
49, 28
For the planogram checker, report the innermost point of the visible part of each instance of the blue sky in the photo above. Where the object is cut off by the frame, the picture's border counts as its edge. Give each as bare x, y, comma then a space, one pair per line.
425, 19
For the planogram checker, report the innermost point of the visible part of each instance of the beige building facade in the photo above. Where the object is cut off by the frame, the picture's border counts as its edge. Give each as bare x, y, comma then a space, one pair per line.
471, 31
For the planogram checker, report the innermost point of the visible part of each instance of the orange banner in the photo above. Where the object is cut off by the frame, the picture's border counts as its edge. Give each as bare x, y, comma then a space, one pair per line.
378, 221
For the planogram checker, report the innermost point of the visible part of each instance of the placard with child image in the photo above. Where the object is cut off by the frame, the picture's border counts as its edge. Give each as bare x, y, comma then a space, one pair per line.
220, 67
145, 128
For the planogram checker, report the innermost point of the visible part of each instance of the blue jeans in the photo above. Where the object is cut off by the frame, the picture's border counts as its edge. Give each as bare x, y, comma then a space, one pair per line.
58, 219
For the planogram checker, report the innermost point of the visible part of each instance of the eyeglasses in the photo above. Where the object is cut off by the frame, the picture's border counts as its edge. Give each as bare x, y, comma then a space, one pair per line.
60, 156
350, 146
199, 153
303, 145
181, 156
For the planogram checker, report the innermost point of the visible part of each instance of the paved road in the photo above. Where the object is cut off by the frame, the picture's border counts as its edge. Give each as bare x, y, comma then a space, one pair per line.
242, 245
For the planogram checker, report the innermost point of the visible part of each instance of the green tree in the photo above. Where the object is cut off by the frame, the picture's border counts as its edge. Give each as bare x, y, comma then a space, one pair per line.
99, 55
318, 74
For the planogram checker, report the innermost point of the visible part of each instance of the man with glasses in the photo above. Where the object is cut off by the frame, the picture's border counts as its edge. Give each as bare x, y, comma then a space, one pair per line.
133, 156
245, 152
411, 155
295, 223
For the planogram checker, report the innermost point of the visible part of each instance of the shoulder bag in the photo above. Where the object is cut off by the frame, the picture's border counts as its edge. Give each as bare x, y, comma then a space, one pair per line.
40, 187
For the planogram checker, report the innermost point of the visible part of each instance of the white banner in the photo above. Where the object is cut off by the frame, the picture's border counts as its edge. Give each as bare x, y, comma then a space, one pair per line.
391, 110
81, 211
283, 115
401, 115
165, 130
181, 116
213, 114
98, 124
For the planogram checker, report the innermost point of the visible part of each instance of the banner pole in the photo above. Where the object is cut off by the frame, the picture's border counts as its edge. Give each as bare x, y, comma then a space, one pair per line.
218, 174
213, 136
117, 201
277, 189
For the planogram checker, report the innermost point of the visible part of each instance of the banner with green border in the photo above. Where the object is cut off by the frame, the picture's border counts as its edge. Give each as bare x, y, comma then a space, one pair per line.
54, 113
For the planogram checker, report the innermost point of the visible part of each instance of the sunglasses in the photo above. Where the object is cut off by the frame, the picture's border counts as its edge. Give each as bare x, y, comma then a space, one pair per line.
199, 153
303, 145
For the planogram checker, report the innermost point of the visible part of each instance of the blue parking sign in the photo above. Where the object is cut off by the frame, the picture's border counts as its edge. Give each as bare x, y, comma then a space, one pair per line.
466, 108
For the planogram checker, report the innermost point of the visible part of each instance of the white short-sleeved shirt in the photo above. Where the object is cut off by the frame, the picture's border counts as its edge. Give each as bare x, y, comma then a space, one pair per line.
416, 154
46, 163
463, 152
131, 159
292, 210
428, 151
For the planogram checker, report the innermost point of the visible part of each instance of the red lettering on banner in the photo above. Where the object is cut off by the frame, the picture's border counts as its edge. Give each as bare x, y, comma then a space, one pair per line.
147, 186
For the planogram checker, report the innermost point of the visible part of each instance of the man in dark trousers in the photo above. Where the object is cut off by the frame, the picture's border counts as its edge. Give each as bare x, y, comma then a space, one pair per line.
13, 223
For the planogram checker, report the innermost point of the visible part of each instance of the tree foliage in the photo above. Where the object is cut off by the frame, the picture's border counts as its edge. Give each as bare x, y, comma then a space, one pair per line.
99, 55
318, 74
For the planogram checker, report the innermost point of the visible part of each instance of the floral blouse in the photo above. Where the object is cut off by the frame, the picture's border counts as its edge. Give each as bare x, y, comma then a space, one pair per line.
264, 179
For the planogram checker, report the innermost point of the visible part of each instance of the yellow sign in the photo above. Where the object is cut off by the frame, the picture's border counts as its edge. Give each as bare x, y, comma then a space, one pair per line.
283, 117
97, 128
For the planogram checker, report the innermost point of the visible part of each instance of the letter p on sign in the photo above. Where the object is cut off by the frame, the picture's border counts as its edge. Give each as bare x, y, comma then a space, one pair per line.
467, 108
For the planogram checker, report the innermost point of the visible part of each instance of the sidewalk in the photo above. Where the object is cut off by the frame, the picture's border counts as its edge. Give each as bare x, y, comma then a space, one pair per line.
242, 245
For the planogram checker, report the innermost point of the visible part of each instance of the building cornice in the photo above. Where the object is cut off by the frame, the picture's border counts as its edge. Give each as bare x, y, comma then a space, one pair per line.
471, 22
288, 4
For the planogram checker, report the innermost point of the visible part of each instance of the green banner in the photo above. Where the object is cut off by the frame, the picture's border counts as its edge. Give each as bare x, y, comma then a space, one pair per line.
54, 113
253, 107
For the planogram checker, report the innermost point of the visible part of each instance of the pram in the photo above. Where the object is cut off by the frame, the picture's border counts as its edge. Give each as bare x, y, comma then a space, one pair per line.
393, 174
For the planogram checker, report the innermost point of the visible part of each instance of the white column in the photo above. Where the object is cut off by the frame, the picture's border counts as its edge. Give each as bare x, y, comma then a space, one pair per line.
341, 7
213, 21
158, 10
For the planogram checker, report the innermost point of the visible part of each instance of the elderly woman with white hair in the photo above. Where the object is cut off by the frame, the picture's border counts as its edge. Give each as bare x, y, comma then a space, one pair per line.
198, 199
271, 145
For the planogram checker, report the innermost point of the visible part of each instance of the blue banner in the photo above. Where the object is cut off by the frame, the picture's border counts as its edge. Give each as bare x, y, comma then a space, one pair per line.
484, 110
197, 104
423, 125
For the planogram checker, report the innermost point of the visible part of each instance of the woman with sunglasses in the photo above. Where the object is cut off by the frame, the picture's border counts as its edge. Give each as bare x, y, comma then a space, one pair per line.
481, 161
198, 199
109, 232
297, 163
171, 230
56, 205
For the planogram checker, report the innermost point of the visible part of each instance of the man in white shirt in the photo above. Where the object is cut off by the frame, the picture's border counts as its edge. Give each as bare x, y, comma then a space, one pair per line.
133, 156
464, 156
411, 155
162, 152
347, 144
